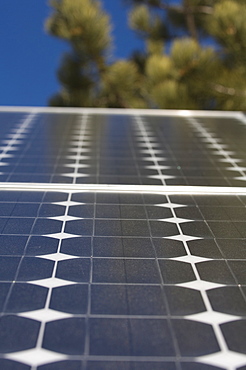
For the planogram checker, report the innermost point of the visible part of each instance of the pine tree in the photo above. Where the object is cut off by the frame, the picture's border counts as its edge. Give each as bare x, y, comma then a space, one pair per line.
86, 76
177, 70
192, 75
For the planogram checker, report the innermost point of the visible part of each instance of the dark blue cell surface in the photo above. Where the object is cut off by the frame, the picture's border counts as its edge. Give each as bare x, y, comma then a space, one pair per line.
79, 227
195, 338
129, 271
123, 247
8, 268
12, 365
32, 268
62, 365
17, 333
76, 269
18, 226
12, 245
41, 245
71, 299
234, 333
26, 297
65, 336
78, 246
127, 280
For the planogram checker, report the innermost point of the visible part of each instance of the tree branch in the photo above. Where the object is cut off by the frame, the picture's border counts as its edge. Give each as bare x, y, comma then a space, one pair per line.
227, 90
180, 9
190, 20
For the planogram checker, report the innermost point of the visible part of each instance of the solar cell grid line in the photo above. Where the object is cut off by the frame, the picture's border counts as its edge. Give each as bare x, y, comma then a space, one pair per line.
52, 282
16, 135
78, 150
150, 150
169, 165
106, 276
220, 148
117, 158
14, 139
192, 163
213, 144
176, 171
231, 134
181, 202
29, 154
192, 260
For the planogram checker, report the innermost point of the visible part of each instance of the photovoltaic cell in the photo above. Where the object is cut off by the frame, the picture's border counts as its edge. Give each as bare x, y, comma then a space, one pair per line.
114, 149
95, 280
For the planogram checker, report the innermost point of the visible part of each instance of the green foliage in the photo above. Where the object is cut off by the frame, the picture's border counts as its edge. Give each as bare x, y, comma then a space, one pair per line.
140, 19
82, 23
159, 68
155, 46
229, 27
147, 23
173, 95
122, 85
185, 52
188, 75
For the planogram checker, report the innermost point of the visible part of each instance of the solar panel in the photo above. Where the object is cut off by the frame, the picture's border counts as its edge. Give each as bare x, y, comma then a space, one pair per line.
122, 240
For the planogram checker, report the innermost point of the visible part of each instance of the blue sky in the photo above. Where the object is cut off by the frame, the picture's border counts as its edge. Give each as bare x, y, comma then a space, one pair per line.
29, 57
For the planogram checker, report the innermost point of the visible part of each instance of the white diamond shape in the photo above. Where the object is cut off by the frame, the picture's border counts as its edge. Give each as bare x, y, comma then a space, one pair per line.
76, 165
200, 285
190, 259
61, 236
182, 238
214, 144
77, 151
58, 257
231, 160
176, 220
5, 155
158, 167
208, 138
51, 282
155, 159
212, 317
8, 142
224, 152
36, 356
231, 360
146, 145
19, 135
243, 178
65, 218
161, 177
237, 168
9, 148
68, 203
74, 175
171, 205
152, 151
77, 157
45, 315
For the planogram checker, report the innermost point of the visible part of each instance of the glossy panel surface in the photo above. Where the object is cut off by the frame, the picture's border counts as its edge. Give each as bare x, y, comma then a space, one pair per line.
122, 149
148, 287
